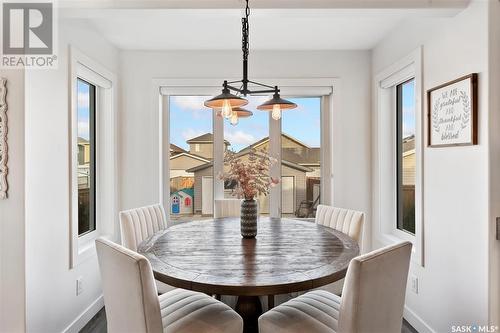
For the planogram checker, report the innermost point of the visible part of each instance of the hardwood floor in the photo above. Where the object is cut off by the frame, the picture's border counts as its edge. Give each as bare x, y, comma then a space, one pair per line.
98, 325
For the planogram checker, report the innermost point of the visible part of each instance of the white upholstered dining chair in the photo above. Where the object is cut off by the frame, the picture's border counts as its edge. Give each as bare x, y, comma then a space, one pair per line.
140, 223
372, 299
227, 208
132, 303
350, 222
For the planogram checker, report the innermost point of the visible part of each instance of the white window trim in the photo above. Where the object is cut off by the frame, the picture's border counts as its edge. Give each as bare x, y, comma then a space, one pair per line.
83, 67
384, 185
320, 87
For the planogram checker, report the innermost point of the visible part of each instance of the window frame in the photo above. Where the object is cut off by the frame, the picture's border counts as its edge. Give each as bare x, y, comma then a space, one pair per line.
385, 199
82, 247
162, 89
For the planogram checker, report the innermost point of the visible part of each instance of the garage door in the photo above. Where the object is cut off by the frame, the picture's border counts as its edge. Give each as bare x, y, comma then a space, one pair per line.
207, 195
287, 194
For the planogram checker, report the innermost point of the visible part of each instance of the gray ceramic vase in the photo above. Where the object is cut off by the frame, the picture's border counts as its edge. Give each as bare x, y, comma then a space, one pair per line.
248, 218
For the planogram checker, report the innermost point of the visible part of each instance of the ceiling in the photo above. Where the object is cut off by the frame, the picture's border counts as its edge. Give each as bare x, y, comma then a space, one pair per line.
227, 4
270, 29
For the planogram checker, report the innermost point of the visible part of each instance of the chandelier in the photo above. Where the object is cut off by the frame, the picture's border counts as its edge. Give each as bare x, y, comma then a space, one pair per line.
230, 105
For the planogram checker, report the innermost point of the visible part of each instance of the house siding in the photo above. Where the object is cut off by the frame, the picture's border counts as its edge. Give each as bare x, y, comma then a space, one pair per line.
409, 168
198, 175
206, 150
299, 184
184, 163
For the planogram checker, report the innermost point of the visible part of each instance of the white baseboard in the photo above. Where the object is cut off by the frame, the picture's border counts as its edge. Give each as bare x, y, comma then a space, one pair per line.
85, 316
417, 322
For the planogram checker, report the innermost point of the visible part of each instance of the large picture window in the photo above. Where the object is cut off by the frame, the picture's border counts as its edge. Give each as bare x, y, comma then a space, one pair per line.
86, 118
197, 139
406, 161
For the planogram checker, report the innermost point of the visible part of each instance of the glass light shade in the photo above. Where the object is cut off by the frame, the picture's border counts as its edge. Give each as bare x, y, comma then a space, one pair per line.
243, 113
227, 110
276, 113
234, 118
218, 101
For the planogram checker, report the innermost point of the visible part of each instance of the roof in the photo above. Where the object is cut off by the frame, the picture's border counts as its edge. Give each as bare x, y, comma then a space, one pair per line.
296, 166
308, 156
188, 191
196, 157
82, 140
204, 138
266, 139
200, 167
283, 162
174, 149
408, 144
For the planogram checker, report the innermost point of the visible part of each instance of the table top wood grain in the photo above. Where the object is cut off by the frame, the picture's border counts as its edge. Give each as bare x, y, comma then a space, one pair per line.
211, 256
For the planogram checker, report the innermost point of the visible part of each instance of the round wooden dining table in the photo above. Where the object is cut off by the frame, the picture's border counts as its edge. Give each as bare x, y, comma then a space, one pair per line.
210, 256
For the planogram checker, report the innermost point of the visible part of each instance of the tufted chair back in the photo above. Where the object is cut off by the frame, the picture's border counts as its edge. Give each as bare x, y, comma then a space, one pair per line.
140, 223
350, 222
129, 290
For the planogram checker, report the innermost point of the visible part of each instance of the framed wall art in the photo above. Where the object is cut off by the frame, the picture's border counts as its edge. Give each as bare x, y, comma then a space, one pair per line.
452, 113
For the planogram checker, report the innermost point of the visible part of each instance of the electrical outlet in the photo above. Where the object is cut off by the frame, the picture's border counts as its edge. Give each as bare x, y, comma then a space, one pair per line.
79, 285
414, 284
498, 228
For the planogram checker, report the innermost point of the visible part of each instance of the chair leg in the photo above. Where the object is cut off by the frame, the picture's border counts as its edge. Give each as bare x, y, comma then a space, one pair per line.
270, 302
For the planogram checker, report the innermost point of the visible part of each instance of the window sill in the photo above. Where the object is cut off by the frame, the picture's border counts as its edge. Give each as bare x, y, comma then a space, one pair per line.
85, 248
398, 236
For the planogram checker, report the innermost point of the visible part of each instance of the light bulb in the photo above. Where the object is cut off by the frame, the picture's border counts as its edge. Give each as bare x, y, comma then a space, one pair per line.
226, 109
276, 114
234, 118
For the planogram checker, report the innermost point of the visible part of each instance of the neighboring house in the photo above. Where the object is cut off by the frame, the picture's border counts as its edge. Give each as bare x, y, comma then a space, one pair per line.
408, 188
409, 161
180, 161
181, 202
296, 152
203, 145
83, 163
200, 152
299, 181
83, 151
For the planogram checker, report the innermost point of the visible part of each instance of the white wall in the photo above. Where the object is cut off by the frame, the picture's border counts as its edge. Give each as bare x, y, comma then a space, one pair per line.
494, 137
453, 285
12, 271
138, 123
52, 304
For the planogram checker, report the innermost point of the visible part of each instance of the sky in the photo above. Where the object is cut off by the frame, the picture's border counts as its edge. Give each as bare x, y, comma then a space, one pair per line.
83, 109
409, 109
189, 118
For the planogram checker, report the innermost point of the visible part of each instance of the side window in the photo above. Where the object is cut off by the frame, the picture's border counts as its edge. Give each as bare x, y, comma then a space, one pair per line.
86, 110
406, 162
